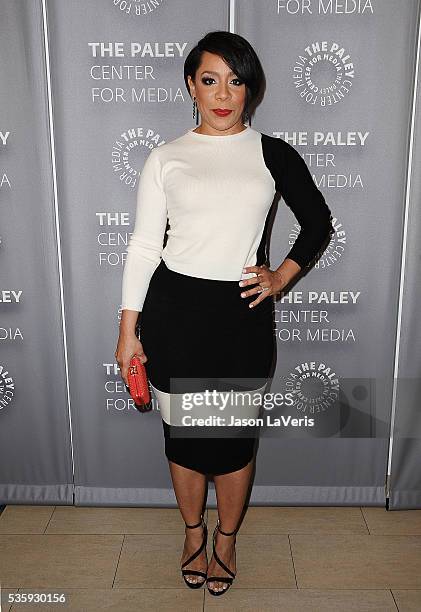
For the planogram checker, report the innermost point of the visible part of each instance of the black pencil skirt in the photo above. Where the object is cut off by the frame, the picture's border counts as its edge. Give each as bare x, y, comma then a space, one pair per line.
203, 344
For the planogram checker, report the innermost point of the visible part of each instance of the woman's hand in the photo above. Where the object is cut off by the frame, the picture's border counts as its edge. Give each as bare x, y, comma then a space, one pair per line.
269, 282
127, 346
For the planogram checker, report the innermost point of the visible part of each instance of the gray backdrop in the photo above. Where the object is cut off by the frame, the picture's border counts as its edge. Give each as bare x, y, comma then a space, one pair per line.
35, 444
84, 100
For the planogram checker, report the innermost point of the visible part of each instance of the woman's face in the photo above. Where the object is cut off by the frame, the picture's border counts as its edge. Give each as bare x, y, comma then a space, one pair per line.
216, 87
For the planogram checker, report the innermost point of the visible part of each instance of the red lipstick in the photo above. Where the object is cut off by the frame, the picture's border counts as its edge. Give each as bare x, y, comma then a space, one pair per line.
222, 112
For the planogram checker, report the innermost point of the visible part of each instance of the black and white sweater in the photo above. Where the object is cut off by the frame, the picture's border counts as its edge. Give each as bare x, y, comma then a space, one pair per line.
217, 193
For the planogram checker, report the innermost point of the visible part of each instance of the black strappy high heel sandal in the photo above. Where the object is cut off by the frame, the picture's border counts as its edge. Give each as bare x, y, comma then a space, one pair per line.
229, 579
184, 572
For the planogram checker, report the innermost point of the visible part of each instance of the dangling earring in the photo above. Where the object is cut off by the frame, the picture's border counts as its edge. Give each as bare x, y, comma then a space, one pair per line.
247, 117
195, 114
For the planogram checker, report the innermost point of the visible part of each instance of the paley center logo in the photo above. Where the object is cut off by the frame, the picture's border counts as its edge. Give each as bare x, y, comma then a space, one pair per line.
134, 7
7, 387
324, 73
314, 386
127, 146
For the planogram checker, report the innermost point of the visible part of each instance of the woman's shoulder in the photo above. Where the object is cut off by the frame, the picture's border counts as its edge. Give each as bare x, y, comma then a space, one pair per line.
284, 161
165, 148
278, 144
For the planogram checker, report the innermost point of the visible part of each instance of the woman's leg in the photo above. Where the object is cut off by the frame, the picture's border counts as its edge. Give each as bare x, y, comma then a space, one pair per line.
231, 493
190, 488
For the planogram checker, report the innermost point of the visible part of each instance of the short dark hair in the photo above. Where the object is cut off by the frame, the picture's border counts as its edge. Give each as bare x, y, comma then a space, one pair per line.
240, 57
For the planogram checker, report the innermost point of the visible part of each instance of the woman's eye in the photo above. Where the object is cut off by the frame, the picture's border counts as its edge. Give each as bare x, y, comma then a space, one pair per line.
205, 79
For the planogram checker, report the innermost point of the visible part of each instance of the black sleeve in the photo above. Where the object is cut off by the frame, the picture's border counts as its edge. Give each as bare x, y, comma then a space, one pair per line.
306, 201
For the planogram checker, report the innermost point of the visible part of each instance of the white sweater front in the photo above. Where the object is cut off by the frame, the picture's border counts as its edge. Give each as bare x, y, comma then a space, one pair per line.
216, 192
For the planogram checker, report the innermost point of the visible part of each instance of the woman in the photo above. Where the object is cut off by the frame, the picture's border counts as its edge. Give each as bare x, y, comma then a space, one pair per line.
205, 299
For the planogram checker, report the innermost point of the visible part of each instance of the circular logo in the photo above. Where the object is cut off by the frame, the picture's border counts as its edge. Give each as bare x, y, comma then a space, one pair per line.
314, 387
134, 7
127, 148
7, 387
324, 74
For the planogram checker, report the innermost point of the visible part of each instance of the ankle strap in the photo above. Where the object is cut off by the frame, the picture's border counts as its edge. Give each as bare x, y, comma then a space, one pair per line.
227, 533
193, 526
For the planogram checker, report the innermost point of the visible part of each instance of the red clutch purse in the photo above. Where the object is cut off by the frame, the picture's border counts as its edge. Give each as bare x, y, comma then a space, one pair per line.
138, 381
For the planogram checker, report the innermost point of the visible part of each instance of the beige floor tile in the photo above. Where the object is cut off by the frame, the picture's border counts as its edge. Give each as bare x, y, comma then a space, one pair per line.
263, 561
302, 600
60, 560
392, 522
357, 561
25, 519
81, 519
154, 561
315, 519
150, 561
123, 600
407, 600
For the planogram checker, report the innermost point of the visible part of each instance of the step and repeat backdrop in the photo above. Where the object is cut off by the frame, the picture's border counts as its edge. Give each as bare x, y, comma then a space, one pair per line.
87, 89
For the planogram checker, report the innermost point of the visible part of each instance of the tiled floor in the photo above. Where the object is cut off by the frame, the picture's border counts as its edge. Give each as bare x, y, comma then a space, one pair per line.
297, 559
